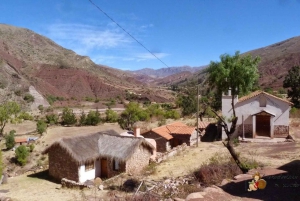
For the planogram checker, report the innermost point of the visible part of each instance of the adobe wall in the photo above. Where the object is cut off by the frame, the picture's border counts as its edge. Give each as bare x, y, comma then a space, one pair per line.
161, 143
61, 165
110, 170
138, 161
183, 138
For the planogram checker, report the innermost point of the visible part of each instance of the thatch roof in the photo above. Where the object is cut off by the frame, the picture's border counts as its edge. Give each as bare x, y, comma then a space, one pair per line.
120, 147
90, 147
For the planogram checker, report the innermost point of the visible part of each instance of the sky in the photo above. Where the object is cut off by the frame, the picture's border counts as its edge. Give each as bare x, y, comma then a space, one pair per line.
177, 32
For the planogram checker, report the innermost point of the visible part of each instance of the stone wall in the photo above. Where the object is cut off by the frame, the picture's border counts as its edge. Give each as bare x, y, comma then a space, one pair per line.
110, 169
164, 156
161, 143
61, 165
281, 131
139, 160
181, 139
248, 129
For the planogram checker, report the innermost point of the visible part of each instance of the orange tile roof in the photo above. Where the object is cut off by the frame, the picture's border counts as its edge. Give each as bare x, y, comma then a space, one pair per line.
20, 139
256, 93
177, 128
203, 124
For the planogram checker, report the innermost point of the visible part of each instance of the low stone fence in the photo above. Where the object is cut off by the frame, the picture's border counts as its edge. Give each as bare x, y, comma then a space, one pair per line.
65, 183
164, 156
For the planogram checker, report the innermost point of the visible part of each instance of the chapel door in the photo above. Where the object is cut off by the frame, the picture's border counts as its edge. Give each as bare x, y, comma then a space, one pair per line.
263, 126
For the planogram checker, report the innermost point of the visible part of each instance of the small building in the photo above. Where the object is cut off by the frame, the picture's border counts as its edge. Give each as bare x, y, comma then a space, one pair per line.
21, 140
259, 114
103, 154
172, 135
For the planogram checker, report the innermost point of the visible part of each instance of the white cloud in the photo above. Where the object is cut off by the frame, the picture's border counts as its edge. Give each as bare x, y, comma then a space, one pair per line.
148, 56
84, 38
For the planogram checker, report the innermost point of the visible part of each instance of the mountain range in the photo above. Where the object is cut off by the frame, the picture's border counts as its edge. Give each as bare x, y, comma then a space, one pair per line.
29, 59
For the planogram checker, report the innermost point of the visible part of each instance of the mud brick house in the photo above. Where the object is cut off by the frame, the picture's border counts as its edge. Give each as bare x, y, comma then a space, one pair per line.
259, 114
103, 154
172, 135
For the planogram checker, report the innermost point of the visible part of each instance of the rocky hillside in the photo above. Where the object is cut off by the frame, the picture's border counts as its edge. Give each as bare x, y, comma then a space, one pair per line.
275, 62
27, 58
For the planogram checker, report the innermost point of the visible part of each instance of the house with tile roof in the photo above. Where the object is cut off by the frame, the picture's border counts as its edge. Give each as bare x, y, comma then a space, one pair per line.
259, 114
172, 135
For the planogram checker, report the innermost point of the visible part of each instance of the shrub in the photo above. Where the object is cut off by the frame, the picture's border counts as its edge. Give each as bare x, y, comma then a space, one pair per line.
31, 147
130, 184
41, 108
82, 120
41, 126
111, 116
10, 139
68, 117
51, 119
22, 154
93, 118
29, 98
216, 169
25, 116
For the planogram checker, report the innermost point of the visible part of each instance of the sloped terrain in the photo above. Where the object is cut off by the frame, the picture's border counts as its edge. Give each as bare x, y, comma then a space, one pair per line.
54, 70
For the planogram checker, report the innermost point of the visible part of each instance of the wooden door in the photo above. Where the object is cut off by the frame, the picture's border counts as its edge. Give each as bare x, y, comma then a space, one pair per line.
104, 168
263, 127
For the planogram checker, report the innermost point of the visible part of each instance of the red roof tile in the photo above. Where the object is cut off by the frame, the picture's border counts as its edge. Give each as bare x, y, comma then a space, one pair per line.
20, 139
177, 128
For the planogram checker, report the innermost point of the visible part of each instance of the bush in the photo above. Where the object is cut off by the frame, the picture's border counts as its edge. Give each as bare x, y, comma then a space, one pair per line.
216, 169
31, 147
82, 119
41, 126
10, 139
111, 116
28, 98
51, 119
22, 154
68, 117
25, 116
93, 118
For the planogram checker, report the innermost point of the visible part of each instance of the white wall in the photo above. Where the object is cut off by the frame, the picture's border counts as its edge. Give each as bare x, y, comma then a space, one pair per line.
247, 108
83, 175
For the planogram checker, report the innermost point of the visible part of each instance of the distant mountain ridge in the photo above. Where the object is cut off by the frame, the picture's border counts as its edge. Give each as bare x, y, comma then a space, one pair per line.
164, 72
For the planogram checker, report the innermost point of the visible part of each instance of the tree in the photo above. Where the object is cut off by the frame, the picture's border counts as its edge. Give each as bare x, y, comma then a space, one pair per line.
22, 154
292, 82
1, 164
111, 116
238, 73
68, 117
41, 126
10, 139
132, 114
93, 118
82, 119
51, 118
8, 111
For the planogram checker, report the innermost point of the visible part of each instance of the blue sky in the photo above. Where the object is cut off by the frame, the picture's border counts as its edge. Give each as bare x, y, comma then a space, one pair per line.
179, 32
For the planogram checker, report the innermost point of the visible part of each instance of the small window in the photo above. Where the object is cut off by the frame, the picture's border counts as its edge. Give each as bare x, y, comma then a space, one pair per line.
116, 165
262, 101
89, 166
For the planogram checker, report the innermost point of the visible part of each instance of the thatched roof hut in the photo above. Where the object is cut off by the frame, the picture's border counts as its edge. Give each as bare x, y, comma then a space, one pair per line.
108, 144
120, 147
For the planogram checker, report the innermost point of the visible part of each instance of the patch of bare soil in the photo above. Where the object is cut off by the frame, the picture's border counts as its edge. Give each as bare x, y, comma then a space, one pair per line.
22, 128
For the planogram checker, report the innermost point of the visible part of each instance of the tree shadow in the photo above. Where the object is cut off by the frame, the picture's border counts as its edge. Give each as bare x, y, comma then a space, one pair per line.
44, 175
283, 183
